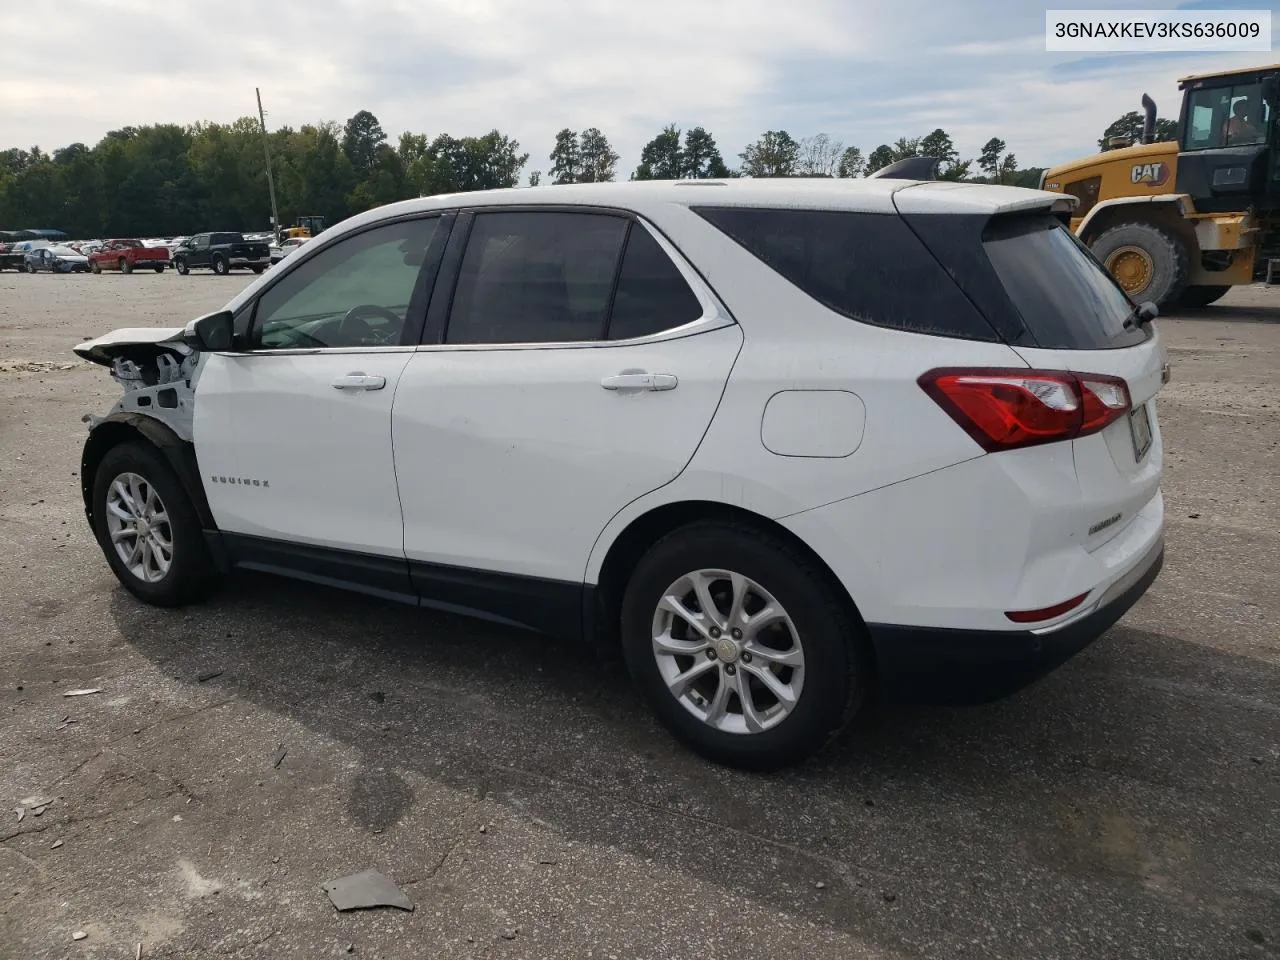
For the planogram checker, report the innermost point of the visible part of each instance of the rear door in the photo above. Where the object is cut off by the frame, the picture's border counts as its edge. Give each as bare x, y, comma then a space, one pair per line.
577, 368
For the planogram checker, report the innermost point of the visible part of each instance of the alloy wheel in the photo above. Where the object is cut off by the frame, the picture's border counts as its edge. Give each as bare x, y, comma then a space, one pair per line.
728, 651
139, 527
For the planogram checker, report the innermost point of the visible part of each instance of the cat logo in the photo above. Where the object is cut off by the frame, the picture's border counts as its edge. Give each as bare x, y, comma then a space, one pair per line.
1149, 174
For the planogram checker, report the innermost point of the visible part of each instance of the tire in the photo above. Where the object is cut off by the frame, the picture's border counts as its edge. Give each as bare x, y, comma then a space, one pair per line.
125, 266
220, 267
159, 268
1201, 296
1147, 260
833, 679
257, 270
181, 266
94, 268
190, 572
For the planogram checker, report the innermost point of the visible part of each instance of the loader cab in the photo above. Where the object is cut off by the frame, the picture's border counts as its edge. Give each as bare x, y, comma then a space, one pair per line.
1228, 138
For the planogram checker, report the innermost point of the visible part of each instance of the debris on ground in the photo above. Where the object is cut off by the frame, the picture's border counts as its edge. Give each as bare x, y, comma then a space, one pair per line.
37, 805
280, 756
511, 934
360, 891
56, 844
82, 693
21, 812
79, 935
206, 677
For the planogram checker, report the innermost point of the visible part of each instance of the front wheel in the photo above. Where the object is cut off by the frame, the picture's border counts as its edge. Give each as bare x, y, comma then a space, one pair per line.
147, 527
220, 267
741, 645
181, 267
125, 266
1148, 261
94, 268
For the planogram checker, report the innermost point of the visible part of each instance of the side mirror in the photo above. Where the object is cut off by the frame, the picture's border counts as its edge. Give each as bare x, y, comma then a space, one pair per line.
1147, 312
213, 333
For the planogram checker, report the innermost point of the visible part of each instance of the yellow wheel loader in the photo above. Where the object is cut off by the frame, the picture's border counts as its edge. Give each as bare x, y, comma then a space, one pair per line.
1179, 223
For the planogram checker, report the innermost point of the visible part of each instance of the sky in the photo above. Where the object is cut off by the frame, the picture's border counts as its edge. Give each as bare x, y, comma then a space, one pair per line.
864, 72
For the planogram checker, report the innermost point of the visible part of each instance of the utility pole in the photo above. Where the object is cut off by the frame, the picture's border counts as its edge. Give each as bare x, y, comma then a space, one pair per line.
271, 183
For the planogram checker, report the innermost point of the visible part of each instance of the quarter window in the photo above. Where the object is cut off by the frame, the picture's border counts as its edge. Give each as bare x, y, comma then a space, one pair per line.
536, 277
652, 294
356, 293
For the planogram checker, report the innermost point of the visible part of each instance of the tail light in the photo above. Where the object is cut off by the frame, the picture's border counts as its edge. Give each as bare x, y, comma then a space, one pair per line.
1047, 613
1004, 409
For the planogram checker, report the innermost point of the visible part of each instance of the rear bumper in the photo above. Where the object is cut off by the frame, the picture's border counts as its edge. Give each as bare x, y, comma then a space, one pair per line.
941, 666
249, 262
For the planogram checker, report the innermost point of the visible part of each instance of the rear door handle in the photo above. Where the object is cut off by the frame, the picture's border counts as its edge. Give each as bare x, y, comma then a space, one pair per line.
640, 381
358, 381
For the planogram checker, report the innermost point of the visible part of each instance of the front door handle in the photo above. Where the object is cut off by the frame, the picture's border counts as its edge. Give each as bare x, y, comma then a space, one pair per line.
640, 381
358, 381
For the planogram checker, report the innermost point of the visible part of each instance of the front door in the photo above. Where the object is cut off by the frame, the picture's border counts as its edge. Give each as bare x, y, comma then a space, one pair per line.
293, 431
567, 385
198, 255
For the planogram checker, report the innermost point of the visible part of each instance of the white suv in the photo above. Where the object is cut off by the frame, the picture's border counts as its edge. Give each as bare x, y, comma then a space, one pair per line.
783, 441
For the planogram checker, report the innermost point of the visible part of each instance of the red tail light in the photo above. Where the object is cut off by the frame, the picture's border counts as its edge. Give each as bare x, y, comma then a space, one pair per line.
1048, 613
1004, 409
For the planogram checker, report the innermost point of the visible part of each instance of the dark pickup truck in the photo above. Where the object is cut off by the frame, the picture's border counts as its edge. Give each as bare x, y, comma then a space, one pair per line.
221, 253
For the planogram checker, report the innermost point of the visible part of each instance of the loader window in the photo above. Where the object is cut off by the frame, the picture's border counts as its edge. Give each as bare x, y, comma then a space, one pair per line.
1227, 117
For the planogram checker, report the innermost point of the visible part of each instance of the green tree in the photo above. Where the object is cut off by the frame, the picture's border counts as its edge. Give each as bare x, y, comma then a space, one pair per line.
597, 157
775, 154
700, 158
939, 144
989, 158
852, 163
361, 137
662, 158
1129, 127
881, 157
566, 158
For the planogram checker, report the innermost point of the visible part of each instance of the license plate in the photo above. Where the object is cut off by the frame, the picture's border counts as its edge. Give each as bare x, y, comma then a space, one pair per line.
1140, 429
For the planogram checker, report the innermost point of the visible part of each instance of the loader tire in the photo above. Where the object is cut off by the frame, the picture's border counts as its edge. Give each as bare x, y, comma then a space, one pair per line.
1148, 261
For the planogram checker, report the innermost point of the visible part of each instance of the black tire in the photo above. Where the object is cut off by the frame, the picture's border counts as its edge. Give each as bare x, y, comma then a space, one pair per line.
836, 670
1201, 296
1169, 263
159, 268
191, 572
257, 269
94, 268
220, 267
181, 266
125, 266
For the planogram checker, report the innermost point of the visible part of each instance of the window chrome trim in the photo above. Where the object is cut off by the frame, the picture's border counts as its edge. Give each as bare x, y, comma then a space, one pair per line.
715, 314
307, 351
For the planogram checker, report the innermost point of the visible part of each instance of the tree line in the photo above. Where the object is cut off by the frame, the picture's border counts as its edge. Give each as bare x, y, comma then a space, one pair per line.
170, 180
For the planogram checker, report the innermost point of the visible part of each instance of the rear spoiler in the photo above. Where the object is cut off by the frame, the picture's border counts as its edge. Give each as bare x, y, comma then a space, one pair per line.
909, 168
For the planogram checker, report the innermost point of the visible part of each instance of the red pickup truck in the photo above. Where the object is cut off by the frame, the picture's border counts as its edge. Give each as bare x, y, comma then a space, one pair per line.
128, 255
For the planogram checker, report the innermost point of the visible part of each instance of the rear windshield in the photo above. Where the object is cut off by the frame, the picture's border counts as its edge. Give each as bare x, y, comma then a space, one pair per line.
226, 238
1065, 298
869, 267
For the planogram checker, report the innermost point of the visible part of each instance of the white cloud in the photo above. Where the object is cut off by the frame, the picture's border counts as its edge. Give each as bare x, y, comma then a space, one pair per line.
865, 72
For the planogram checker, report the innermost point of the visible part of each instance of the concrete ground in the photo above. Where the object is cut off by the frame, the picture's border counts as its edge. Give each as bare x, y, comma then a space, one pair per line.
242, 753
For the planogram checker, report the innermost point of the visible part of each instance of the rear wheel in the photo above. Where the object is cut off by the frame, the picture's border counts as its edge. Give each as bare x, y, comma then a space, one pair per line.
220, 266
1201, 296
1148, 261
257, 269
159, 268
740, 645
147, 527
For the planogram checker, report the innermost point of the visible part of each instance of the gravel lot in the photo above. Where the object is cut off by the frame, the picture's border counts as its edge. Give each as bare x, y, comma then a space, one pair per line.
246, 751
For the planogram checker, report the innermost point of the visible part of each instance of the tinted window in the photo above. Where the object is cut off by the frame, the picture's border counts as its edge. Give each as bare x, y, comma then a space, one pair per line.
536, 277
652, 294
356, 293
1227, 117
869, 267
227, 238
1063, 295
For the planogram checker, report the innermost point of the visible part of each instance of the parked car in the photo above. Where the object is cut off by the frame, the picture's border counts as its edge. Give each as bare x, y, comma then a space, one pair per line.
779, 441
12, 259
285, 247
127, 256
221, 253
56, 259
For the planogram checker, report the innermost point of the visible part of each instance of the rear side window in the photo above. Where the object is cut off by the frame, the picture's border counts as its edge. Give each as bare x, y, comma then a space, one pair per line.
1065, 299
652, 294
866, 266
227, 238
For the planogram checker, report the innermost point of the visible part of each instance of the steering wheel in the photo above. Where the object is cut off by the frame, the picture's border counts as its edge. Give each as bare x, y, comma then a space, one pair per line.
357, 314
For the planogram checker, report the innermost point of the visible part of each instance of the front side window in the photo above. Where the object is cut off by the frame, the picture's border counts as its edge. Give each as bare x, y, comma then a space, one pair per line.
536, 277
1227, 117
356, 293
